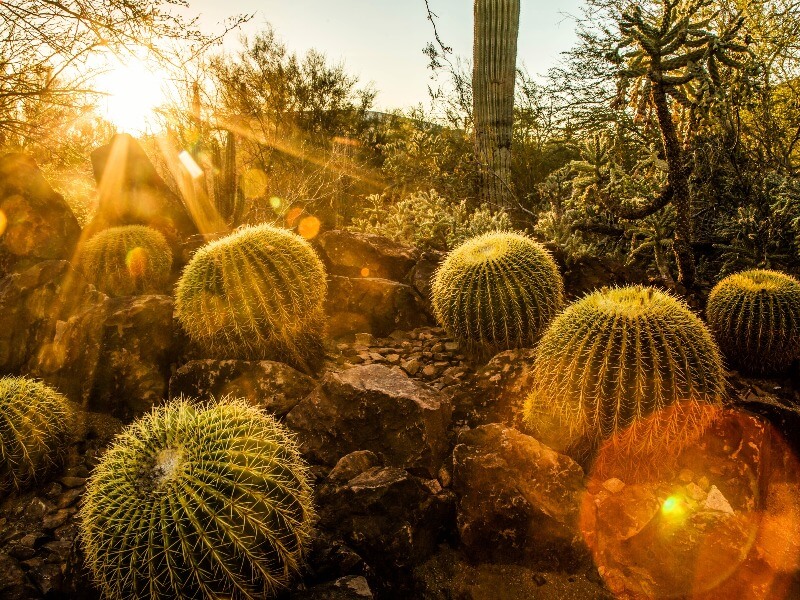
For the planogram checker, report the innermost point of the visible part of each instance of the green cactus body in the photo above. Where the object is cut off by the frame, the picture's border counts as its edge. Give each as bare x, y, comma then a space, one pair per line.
755, 316
198, 501
257, 293
497, 291
616, 357
34, 430
127, 261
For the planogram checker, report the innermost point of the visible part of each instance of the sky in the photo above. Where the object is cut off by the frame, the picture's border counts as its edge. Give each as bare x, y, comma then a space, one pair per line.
381, 41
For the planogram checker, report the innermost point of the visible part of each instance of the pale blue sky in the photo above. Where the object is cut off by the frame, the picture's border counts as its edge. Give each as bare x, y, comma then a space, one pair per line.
381, 41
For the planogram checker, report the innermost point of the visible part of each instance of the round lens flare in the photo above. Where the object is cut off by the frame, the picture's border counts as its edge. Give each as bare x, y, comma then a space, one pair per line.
136, 261
309, 227
275, 203
721, 519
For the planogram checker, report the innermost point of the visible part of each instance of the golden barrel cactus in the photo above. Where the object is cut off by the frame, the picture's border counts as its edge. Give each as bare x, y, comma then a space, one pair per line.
497, 291
755, 316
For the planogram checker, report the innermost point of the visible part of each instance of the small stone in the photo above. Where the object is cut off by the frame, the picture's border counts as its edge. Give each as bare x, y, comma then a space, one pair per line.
716, 501
695, 492
393, 358
56, 520
353, 464
429, 371
376, 356
72, 482
451, 346
614, 485
686, 475
365, 339
69, 498
704, 483
411, 367
437, 347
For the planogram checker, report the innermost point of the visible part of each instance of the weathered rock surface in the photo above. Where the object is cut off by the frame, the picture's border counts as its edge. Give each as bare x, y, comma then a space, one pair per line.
423, 272
345, 588
51, 327
138, 346
273, 386
376, 408
35, 222
132, 193
355, 254
371, 305
518, 499
390, 517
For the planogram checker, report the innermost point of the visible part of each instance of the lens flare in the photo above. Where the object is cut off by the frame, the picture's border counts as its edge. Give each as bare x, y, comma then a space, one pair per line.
191, 166
275, 202
365, 272
132, 90
3, 222
309, 227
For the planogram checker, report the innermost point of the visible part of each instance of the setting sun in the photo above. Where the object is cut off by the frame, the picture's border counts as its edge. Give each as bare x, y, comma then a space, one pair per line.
132, 91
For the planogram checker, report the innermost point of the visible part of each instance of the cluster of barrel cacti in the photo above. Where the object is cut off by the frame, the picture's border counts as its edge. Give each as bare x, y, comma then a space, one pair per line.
255, 294
127, 260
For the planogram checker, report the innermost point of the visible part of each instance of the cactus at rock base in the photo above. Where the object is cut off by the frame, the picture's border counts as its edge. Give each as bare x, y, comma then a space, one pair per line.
497, 291
127, 260
34, 430
257, 293
619, 356
755, 316
198, 501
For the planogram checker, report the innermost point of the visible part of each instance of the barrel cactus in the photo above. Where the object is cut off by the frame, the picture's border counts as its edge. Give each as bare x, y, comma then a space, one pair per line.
255, 294
198, 501
497, 291
614, 359
35, 424
127, 260
755, 316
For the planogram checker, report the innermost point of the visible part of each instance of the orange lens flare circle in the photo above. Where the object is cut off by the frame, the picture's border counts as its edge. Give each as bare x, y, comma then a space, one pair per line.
721, 519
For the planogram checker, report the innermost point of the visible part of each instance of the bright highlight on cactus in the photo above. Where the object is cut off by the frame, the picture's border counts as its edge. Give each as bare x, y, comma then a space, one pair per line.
34, 430
617, 357
127, 260
755, 316
257, 293
497, 291
198, 501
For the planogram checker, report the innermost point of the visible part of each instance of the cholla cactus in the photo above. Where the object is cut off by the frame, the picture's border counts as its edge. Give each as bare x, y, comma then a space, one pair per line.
127, 260
257, 293
755, 316
34, 430
198, 501
617, 357
497, 291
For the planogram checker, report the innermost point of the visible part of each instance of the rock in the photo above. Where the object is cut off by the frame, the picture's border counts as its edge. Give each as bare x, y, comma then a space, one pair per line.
355, 254
371, 305
716, 501
135, 361
517, 499
423, 272
51, 327
782, 413
353, 464
613, 485
36, 223
376, 408
588, 273
390, 517
132, 193
274, 386
345, 588
13, 582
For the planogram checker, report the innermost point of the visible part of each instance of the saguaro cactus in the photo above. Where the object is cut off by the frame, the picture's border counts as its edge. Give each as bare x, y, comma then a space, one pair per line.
496, 28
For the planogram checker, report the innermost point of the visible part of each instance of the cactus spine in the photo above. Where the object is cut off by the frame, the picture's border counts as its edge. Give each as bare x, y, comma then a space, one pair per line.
497, 291
34, 430
617, 357
257, 293
127, 260
197, 501
755, 316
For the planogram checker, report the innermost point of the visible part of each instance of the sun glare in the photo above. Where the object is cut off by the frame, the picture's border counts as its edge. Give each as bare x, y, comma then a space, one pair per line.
132, 91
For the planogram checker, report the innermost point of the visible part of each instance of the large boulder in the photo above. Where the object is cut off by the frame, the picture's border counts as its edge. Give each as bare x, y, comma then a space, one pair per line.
130, 192
36, 223
376, 408
355, 254
274, 386
138, 346
51, 327
423, 272
518, 500
371, 305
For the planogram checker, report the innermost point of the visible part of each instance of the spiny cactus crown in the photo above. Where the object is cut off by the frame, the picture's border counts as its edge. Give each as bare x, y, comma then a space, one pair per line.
755, 316
617, 356
497, 291
257, 293
34, 430
127, 260
198, 501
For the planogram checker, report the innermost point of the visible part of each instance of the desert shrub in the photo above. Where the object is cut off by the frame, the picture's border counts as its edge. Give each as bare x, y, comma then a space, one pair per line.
198, 501
127, 260
34, 431
257, 293
497, 291
755, 316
